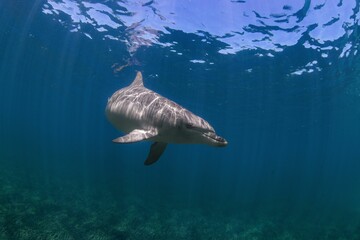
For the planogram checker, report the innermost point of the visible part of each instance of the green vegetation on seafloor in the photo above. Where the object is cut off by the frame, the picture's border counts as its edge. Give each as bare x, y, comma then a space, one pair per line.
73, 213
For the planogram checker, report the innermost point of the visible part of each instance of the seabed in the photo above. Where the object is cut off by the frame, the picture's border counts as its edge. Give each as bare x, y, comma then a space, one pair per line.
75, 213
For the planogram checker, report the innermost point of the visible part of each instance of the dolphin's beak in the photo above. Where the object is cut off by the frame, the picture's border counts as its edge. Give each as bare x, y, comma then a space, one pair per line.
216, 140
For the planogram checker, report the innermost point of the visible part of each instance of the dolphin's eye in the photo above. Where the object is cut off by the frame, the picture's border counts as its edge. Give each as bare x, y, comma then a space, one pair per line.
188, 125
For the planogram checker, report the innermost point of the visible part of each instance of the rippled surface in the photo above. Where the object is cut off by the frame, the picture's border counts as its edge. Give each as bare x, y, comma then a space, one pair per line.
241, 25
234, 26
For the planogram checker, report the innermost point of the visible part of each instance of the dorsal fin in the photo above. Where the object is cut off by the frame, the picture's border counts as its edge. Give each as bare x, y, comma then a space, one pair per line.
138, 81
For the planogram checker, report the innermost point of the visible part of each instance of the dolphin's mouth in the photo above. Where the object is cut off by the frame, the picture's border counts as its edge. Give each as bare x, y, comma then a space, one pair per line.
219, 141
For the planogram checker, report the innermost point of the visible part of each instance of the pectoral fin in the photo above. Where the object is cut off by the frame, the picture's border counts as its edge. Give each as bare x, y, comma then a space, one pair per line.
136, 136
156, 150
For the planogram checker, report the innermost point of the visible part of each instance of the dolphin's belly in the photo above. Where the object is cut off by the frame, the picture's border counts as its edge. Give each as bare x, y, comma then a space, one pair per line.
125, 117
122, 122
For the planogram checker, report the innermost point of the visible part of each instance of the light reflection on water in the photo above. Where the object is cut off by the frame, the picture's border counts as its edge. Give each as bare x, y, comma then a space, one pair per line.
241, 25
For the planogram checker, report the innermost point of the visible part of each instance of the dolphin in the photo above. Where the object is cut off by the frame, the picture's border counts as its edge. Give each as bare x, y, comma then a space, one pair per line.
145, 115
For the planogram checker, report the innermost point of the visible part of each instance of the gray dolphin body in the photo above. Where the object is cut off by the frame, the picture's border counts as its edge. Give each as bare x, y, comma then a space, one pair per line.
145, 115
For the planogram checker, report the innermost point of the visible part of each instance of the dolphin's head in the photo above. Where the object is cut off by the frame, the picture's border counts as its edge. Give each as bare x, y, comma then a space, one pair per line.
199, 131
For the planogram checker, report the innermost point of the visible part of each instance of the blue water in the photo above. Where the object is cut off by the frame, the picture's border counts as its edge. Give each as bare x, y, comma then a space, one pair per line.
279, 80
